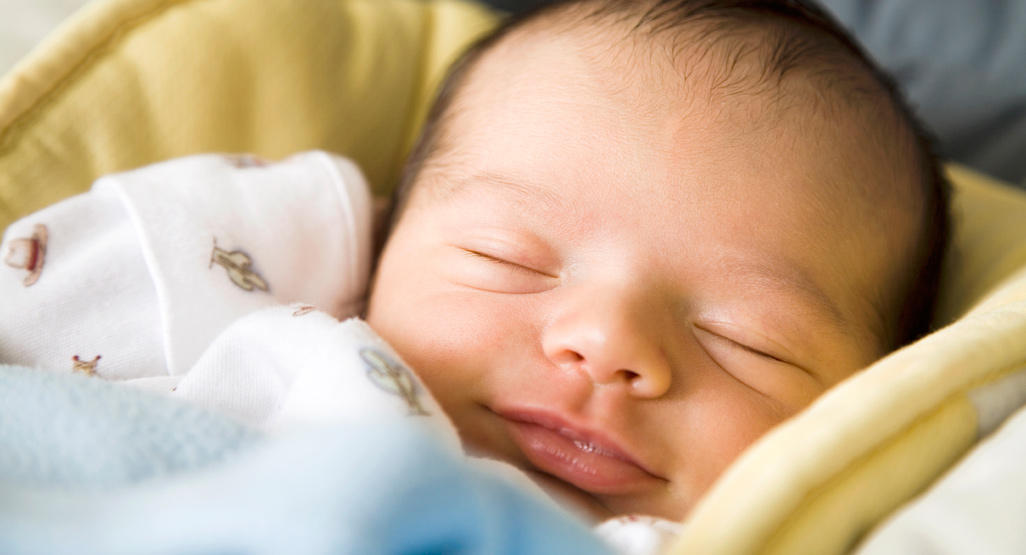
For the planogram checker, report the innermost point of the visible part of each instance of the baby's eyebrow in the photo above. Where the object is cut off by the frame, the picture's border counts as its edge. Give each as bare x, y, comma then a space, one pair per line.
789, 279
519, 190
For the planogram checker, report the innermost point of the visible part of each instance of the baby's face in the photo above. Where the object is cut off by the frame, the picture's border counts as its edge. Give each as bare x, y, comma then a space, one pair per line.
619, 295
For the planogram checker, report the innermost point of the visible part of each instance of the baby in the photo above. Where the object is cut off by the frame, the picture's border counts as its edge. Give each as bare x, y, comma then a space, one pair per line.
635, 236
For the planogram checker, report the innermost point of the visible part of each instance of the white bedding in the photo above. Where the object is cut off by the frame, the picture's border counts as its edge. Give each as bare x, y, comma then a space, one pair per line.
978, 507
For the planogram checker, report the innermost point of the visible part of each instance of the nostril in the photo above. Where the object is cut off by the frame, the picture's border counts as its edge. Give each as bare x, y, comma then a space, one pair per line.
568, 357
629, 375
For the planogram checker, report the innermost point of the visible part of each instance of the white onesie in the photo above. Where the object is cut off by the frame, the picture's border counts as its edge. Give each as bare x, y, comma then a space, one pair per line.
166, 277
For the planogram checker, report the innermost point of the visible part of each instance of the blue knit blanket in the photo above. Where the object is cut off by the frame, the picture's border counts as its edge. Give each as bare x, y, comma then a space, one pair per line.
91, 467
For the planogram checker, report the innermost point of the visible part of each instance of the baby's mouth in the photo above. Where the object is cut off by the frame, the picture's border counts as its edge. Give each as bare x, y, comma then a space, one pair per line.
577, 456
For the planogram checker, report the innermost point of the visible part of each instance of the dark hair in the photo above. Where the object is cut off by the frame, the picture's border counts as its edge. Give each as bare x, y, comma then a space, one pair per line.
803, 33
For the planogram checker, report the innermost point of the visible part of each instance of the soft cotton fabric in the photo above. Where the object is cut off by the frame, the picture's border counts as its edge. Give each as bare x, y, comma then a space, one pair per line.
151, 265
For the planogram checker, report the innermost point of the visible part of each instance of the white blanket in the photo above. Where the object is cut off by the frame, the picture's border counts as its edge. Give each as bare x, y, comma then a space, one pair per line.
978, 507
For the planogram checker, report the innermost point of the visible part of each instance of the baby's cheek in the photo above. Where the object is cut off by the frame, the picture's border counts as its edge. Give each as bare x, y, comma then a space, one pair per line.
791, 390
730, 417
446, 341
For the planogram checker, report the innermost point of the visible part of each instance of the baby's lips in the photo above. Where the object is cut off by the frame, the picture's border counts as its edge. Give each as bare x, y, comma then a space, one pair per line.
581, 456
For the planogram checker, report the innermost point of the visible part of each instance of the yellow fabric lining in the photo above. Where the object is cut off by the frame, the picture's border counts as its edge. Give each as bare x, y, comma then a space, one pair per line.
129, 82
988, 247
17, 104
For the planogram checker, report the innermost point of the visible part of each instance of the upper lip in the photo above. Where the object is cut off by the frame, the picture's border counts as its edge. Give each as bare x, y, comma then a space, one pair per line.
585, 436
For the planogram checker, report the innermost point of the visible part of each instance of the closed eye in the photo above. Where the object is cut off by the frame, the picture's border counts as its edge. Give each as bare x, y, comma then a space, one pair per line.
741, 346
481, 270
754, 351
507, 263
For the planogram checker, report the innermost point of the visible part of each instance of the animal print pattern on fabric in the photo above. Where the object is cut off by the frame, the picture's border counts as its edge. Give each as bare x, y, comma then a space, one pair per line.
393, 378
238, 264
29, 253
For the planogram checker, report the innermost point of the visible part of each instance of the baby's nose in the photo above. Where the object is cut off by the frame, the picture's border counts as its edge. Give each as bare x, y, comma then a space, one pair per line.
614, 339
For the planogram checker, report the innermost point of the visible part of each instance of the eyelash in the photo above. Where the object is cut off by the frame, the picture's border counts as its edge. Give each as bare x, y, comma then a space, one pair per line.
755, 351
744, 347
503, 262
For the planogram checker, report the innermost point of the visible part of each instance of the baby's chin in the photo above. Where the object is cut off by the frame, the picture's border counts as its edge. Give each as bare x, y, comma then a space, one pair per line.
574, 500
570, 498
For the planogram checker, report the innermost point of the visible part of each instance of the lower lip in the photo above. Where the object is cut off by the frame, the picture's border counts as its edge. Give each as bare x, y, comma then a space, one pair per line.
560, 456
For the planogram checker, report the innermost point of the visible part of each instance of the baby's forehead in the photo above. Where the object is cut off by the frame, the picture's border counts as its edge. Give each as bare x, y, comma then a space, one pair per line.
652, 84
643, 89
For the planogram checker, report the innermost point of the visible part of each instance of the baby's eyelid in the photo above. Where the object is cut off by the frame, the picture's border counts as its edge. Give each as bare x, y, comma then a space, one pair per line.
744, 346
757, 351
505, 262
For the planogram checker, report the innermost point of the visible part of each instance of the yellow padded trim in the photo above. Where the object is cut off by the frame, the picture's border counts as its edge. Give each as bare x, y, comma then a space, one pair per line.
869, 489
903, 418
129, 82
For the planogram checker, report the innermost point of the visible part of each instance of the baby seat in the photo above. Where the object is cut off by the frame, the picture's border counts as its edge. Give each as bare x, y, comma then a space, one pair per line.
129, 82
